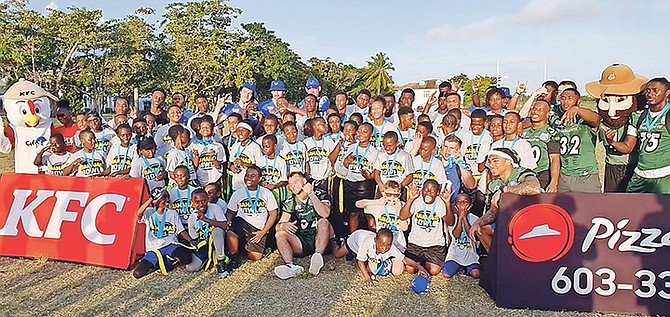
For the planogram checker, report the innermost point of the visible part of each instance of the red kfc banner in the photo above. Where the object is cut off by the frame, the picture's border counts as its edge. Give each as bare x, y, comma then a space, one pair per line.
585, 252
87, 220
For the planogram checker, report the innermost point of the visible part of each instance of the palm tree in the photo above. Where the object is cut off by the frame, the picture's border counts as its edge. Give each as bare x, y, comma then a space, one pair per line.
376, 74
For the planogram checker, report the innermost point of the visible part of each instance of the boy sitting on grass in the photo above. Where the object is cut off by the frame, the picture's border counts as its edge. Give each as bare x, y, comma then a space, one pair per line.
462, 253
163, 226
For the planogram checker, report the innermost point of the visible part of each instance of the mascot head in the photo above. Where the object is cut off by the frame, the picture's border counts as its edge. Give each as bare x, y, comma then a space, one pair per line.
616, 92
28, 105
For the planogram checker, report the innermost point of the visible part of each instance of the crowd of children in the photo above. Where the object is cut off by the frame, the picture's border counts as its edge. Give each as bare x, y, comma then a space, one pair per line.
374, 180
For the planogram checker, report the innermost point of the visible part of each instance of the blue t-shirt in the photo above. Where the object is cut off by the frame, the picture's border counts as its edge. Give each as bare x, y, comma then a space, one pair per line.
232, 108
266, 106
473, 108
451, 170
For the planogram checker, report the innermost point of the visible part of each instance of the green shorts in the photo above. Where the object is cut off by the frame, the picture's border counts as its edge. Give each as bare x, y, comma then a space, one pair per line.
307, 241
639, 184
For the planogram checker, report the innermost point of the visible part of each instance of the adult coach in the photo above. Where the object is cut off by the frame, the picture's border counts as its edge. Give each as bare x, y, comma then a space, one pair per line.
303, 228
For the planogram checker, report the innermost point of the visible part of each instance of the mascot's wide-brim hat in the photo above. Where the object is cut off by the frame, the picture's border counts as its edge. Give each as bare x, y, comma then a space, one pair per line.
617, 79
24, 90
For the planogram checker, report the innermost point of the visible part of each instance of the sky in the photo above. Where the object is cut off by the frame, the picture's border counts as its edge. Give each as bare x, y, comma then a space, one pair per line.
576, 39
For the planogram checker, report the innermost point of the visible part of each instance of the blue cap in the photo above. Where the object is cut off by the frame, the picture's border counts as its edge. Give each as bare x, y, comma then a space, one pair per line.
277, 85
506, 91
420, 284
250, 86
312, 83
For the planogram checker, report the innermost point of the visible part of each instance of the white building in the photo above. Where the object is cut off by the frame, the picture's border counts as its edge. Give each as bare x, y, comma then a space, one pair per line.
422, 92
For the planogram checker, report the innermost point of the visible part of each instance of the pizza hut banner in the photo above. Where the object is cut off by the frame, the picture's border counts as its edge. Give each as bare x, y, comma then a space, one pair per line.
585, 252
87, 220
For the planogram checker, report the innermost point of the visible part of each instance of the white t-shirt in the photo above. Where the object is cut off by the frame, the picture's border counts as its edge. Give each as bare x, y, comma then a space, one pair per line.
393, 166
197, 228
206, 172
521, 147
222, 204
180, 200
461, 249
103, 140
317, 157
148, 170
472, 146
250, 154
55, 162
253, 206
295, 156
404, 138
274, 170
378, 133
388, 218
353, 108
362, 242
93, 164
155, 238
176, 157
424, 171
363, 160
120, 158
163, 141
427, 228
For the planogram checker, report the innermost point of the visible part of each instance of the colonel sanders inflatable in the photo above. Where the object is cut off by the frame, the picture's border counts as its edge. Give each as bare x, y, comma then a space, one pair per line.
617, 92
28, 108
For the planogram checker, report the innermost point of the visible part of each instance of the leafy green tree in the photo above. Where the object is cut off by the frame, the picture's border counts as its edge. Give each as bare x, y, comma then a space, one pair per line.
334, 76
376, 74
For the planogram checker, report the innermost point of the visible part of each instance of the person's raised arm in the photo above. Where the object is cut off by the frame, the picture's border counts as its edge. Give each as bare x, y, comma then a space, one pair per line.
626, 146
413, 194
143, 207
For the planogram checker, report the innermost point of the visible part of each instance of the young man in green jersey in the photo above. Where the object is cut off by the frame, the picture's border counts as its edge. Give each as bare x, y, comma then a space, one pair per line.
545, 149
506, 177
652, 173
576, 133
303, 228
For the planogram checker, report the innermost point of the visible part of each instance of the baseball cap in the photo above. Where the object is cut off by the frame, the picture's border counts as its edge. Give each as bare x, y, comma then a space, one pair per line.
277, 85
506, 91
312, 83
157, 192
249, 86
25, 89
420, 284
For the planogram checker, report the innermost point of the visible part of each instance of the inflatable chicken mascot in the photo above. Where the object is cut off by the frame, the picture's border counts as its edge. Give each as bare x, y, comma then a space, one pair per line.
28, 108
617, 92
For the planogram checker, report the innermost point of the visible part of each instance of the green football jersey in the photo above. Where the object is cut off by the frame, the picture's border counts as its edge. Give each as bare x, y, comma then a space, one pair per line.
577, 147
654, 141
303, 213
517, 176
612, 156
541, 141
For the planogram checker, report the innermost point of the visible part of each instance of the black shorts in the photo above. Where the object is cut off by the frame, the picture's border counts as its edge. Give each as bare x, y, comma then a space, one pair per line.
355, 191
617, 177
421, 255
544, 178
244, 232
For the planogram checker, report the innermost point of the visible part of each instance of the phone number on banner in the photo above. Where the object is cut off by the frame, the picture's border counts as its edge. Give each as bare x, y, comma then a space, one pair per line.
582, 281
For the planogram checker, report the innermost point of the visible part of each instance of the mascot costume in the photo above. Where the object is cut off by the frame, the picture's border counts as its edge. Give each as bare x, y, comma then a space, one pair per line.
28, 108
618, 94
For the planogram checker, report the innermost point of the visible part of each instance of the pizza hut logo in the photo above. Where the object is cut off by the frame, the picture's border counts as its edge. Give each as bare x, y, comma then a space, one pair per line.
541, 232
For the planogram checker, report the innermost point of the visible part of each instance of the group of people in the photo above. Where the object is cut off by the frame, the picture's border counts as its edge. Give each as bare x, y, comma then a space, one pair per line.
378, 181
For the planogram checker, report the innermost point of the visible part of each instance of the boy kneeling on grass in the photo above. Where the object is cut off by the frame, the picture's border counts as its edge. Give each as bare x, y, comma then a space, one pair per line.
376, 255
163, 226
462, 253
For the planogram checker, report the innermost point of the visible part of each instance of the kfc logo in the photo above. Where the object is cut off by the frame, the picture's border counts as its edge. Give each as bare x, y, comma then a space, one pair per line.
541, 232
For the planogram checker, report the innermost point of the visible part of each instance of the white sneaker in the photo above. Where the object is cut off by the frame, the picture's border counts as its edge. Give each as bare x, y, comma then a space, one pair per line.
288, 270
316, 263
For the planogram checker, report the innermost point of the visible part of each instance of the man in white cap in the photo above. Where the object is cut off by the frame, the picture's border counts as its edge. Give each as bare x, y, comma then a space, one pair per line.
28, 108
278, 90
506, 177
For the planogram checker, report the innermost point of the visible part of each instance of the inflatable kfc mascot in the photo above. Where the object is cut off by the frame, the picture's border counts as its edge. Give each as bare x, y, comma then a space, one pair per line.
617, 93
28, 108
